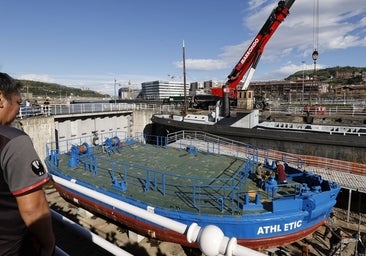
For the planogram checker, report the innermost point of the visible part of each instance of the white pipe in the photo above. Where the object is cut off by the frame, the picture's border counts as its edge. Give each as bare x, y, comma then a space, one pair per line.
60, 252
136, 211
90, 235
241, 250
210, 238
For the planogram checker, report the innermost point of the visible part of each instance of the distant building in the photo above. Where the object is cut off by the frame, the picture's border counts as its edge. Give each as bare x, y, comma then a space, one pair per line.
344, 74
297, 90
350, 74
156, 90
277, 89
349, 91
290, 90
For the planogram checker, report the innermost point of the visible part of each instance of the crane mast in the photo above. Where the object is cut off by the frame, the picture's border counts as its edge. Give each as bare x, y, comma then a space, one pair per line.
251, 56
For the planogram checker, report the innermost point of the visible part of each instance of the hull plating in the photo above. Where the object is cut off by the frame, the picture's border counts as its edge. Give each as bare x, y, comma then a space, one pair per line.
257, 232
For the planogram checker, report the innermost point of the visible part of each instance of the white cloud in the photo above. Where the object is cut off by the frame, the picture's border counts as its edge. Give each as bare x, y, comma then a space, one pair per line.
202, 64
341, 26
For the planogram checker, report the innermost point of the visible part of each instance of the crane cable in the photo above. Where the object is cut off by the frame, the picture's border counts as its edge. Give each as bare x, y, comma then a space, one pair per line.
315, 30
315, 54
316, 24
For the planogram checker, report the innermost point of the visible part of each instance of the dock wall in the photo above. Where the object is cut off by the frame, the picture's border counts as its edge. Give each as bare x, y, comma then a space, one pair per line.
41, 130
44, 129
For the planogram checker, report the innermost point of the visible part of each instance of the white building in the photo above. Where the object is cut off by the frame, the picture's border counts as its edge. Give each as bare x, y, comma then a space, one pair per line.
162, 89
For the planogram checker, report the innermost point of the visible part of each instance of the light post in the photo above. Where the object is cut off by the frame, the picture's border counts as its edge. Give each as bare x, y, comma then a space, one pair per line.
184, 81
115, 98
116, 94
315, 58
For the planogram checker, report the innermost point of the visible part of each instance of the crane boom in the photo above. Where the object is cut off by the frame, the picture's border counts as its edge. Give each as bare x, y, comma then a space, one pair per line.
252, 55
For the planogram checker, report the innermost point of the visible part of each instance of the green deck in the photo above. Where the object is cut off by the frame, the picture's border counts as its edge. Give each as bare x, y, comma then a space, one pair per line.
174, 176
145, 165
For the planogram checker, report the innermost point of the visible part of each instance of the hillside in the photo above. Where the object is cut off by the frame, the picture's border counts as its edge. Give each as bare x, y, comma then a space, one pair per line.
52, 90
335, 75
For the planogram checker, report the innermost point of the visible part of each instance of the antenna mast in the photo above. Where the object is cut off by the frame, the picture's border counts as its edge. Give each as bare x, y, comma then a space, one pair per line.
184, 81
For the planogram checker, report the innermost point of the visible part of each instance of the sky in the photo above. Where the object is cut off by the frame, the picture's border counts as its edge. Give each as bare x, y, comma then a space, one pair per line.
97, 44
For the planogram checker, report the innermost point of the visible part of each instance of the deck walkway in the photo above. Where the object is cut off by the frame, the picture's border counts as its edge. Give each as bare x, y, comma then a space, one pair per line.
345, 180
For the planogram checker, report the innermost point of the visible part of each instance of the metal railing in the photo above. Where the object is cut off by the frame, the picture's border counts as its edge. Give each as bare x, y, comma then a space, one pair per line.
329, 110
68, 109
355, 109
304, 162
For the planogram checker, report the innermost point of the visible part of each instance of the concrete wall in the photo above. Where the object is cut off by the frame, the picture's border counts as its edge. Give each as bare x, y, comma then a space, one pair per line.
140, 119
86, 125
43, 130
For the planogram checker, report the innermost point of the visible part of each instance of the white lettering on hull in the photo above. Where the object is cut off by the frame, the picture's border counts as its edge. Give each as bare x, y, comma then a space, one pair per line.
270, 229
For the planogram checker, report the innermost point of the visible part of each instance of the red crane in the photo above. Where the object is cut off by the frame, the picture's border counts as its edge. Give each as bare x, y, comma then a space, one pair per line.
252, 55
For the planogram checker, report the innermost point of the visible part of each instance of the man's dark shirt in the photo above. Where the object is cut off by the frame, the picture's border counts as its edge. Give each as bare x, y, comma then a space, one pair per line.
21, 172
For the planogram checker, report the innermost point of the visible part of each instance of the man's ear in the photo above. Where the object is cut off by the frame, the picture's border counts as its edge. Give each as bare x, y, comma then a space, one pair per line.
1, 99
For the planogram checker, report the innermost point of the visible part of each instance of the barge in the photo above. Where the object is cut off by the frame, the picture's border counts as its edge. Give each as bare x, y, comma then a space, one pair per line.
193, 177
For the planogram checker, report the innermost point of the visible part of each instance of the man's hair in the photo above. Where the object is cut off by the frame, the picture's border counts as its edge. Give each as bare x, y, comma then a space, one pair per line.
8, 85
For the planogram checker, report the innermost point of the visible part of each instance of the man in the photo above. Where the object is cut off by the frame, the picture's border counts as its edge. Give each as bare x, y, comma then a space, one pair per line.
335, 241
280, 173
361, 244
259, 172
330, 224
25, 219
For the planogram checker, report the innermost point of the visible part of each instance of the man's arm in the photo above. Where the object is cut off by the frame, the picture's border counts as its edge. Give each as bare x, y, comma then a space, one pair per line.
33, 208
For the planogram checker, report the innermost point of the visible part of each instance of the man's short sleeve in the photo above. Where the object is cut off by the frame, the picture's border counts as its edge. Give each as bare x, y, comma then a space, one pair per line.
22, 168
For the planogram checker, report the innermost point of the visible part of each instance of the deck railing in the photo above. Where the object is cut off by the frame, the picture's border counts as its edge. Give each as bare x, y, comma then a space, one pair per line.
315, 164
298, 161
223, 145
